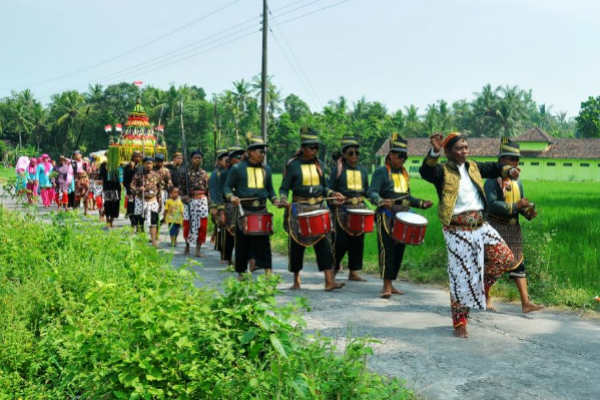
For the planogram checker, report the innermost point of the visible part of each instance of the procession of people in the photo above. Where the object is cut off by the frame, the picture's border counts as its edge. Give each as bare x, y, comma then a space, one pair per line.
331, 214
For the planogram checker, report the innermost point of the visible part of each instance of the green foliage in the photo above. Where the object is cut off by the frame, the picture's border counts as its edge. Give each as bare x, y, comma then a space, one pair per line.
588, 120
94, 315
76, 120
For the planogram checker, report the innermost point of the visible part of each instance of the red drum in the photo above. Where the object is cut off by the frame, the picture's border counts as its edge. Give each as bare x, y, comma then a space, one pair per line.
258, 224
409, 228
360, 220
314, 223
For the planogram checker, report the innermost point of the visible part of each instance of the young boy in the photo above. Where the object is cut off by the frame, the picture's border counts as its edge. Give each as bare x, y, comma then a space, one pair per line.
174, 214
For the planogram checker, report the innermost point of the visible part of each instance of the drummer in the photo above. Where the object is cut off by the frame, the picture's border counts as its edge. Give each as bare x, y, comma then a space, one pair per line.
235, 154
391, 193
303, 175
351, 180
251, 181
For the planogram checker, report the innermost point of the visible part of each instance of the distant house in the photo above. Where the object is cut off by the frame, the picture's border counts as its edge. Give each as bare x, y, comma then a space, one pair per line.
543, 157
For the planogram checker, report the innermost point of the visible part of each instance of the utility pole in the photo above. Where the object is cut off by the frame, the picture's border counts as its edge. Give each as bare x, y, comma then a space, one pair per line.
263, 89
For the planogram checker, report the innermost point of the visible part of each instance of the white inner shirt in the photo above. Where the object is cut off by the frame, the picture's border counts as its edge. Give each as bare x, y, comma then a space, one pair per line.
468, 196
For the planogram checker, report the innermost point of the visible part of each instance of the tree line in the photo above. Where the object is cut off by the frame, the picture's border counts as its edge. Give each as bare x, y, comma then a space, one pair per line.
75, 120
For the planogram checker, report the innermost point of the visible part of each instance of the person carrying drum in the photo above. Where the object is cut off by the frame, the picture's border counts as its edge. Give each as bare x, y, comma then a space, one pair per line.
195, 213
252, 183
215, 190
351, 180
390, 192
145, 187
506, 201
235, 154
303, 175
474, 247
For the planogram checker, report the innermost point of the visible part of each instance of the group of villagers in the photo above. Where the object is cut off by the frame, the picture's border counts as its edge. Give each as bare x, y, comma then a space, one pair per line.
69, 183
480, 219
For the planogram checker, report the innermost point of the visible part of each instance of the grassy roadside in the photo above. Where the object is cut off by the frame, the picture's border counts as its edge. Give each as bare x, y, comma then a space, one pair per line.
91, 314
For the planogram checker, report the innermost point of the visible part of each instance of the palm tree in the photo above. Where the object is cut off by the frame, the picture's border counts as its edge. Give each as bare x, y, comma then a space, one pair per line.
70, 106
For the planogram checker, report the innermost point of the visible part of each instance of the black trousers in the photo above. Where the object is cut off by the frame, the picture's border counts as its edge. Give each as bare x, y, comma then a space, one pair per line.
71, 197
133, 219
227, 244
354, 245
390, 251
323, 252
247, 247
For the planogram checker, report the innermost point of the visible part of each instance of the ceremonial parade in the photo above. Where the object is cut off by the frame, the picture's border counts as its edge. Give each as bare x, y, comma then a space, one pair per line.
299, 199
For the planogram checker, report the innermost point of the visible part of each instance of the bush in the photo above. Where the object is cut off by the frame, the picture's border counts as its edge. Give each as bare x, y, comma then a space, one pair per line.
92, 315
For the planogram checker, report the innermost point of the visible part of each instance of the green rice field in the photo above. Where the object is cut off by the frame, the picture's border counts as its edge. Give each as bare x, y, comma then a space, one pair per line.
561, 245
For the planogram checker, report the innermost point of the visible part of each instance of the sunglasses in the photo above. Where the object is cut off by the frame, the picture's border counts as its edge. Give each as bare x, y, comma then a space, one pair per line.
261, 151
313, 147
353, 153
513, 158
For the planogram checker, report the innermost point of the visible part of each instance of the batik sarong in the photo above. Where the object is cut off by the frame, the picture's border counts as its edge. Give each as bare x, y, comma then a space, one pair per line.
477, 257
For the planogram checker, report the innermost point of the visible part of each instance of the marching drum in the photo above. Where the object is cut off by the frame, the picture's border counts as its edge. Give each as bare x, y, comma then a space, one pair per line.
360, 220
314, 223
258, 224
409, 228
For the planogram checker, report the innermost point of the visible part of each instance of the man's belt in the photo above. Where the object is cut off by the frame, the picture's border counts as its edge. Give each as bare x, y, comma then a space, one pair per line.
255, 203
307, 200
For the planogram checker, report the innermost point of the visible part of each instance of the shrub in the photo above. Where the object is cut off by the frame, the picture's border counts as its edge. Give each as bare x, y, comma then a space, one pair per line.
94, 315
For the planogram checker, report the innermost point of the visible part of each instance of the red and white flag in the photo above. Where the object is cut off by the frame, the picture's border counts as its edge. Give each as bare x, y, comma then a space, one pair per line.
138, 83
119, 128
107, 128
160, 128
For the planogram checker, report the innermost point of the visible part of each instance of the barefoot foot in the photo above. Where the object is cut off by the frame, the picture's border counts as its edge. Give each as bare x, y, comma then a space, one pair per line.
530, 307
461, 332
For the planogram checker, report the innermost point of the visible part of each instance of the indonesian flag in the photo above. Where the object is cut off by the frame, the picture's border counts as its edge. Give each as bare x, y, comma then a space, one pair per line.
107, 128
160, 128
119, 128
138, 83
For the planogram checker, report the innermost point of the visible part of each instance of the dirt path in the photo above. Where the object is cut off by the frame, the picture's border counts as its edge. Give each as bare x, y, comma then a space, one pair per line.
546, 355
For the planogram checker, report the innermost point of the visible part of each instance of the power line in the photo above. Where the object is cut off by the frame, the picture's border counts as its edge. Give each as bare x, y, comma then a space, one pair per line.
138, 47
160, 61
294, 62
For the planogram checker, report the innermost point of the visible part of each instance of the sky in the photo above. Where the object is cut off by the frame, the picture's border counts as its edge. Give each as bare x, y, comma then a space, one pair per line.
398, 52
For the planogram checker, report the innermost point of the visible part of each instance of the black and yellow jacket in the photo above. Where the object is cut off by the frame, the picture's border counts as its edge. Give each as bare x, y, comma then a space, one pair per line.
246, 180
503, 206
304, 178
388, 183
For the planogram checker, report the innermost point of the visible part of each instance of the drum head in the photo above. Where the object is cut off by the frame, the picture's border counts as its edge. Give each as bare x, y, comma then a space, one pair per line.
360, 211
313, 213
411, 218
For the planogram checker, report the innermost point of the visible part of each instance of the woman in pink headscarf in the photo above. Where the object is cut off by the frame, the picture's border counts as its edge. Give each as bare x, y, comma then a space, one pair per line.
32, 181
43, 170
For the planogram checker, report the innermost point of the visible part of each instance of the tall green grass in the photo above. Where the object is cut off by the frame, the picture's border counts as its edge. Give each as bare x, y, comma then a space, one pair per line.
86, 314
562, 246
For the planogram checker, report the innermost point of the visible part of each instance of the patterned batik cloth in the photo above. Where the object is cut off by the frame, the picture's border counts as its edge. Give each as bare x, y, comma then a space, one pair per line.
145, 208
477, 257
193, 213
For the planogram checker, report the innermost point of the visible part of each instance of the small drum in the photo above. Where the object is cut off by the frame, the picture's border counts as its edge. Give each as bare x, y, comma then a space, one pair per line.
258, 224
360, 220
409, 228
314, 223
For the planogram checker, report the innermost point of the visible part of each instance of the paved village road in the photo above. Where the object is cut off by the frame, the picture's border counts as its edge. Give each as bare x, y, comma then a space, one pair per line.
547, 355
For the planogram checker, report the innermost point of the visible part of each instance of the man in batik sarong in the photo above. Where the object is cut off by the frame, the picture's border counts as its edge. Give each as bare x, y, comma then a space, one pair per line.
477, 254
195, 198
507, 201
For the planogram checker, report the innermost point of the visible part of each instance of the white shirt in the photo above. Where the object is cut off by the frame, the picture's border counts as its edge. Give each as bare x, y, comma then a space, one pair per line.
468, 196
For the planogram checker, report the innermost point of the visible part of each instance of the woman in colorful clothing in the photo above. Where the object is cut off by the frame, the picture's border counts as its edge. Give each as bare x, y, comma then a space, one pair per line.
64, 181
82, 188
44, 169
32, 181
477, 254
507, 201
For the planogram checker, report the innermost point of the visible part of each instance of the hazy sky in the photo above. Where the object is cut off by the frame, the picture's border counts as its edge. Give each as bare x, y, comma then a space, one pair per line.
398, 52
